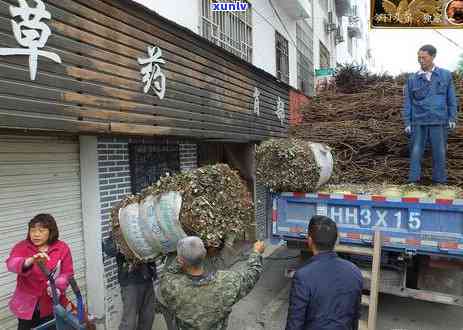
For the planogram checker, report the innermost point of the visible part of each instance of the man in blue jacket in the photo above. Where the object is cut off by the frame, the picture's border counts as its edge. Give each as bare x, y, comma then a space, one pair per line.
430, 109
325, 294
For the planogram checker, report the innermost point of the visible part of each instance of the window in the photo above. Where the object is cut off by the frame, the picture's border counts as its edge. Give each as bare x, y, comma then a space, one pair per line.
148, 162
282, 57
231, 30
305, 72
324, 57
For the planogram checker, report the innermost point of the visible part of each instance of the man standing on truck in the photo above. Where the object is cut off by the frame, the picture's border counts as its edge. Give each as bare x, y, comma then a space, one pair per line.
326, 293
430, 109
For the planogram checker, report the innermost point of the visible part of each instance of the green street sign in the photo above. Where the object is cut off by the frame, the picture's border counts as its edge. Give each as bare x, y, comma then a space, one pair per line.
324, 72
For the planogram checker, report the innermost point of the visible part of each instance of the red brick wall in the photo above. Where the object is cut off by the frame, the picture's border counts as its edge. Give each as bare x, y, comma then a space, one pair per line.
296, 101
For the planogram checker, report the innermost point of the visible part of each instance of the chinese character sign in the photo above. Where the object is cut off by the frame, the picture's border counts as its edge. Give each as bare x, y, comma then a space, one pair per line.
280, 111
31, 33
151, 73
256, 101
417, 13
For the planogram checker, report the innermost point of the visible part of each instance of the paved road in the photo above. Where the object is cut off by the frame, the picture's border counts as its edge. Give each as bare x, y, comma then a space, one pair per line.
265, 308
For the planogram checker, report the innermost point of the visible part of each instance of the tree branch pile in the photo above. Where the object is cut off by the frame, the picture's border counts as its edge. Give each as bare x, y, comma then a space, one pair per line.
363, 124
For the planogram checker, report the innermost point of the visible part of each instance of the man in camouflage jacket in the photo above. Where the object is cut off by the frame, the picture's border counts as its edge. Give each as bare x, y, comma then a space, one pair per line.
201, 300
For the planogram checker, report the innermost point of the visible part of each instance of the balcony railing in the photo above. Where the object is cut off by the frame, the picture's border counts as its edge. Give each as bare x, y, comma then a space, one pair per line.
297, 9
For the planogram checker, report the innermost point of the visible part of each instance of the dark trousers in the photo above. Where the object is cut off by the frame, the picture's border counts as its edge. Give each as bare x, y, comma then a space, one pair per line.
437, 135
35, 322
138, 306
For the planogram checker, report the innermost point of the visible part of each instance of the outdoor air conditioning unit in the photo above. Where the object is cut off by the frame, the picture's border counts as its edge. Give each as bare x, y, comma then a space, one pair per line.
330, 26
354, 19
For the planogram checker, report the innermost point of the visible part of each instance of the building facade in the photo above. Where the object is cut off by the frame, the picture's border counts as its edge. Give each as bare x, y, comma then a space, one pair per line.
275, 36
108, 97
325, 23
353, 43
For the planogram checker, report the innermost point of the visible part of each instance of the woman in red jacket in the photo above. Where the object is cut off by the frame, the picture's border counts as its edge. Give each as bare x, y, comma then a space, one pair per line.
31, 301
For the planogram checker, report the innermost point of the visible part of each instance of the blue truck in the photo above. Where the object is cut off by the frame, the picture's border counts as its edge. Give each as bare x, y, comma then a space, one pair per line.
422, 254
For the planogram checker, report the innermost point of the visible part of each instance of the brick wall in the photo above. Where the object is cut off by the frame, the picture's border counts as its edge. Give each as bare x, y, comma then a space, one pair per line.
114, 182
297, 100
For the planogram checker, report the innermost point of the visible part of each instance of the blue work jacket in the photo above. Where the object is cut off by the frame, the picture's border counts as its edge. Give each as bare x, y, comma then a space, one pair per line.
430, 102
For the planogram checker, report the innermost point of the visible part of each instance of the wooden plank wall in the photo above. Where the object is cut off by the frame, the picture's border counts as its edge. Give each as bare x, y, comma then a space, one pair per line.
98, 87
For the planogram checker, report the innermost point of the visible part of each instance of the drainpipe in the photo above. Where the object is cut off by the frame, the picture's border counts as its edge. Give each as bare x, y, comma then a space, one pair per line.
313, 45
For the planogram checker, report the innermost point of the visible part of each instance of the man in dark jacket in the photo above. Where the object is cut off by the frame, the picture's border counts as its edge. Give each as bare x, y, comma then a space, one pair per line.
326, 293
430, 109
136, 282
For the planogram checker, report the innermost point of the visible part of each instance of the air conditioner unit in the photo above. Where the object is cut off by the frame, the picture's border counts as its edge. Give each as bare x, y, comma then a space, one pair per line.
354, 19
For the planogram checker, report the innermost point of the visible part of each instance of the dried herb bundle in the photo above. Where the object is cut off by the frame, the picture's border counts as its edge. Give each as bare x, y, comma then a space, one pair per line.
216, 205
287, 165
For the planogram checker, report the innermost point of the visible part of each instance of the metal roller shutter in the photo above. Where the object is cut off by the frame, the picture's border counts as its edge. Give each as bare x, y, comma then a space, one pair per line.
38, 174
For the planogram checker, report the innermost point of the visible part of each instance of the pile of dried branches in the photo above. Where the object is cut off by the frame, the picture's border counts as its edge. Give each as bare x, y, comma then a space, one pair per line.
351, 78
366, 131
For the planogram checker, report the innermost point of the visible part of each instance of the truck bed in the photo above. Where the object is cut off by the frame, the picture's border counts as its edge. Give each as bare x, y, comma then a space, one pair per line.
413, 225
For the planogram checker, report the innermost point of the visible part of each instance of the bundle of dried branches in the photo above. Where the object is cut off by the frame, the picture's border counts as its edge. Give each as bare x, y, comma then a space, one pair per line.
216, 202
216, 205
287, 165
366, 131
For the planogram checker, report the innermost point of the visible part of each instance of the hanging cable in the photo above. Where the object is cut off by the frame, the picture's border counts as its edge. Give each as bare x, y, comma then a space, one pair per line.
448, 39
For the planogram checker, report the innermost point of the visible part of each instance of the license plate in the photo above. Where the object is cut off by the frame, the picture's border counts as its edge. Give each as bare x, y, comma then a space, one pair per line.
403, 219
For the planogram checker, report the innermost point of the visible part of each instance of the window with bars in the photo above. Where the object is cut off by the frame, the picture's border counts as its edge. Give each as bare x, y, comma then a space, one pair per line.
282, 57
305, 71
148, 162
231, 30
